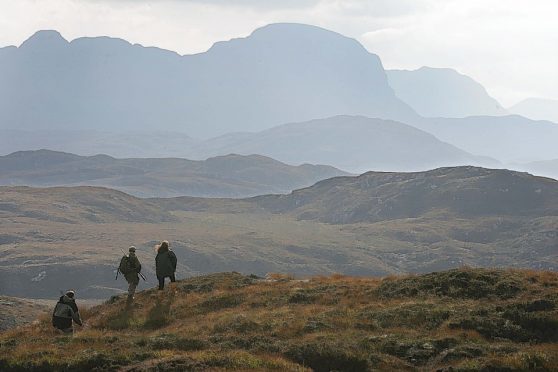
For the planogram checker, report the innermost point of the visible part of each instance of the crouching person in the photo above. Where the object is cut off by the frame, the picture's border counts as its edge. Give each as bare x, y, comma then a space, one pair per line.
66, 313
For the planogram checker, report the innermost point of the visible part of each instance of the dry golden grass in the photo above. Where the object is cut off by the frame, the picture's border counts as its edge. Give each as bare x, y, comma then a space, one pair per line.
230, 321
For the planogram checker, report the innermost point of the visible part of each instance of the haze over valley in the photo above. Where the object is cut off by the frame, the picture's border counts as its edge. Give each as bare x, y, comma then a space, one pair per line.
286, 110
313, 185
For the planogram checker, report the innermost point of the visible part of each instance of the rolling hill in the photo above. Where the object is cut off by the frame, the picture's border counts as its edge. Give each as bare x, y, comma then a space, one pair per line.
509, 139
459, 320
353, 143
443, 92
374, 224
456, 192
223, 176
280, 73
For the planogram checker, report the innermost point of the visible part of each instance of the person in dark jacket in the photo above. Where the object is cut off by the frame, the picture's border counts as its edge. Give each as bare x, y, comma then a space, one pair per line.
165, 263
66, 313
132, 273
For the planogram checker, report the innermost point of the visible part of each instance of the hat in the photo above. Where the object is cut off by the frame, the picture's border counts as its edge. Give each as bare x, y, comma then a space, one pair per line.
132, 249
70, 293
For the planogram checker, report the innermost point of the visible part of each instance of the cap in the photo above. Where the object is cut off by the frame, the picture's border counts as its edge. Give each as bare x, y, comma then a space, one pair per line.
70, 293
132, 249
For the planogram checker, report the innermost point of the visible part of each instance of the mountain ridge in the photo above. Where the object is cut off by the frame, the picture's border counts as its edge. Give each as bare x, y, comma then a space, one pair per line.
103, 82
230, 175
443, 92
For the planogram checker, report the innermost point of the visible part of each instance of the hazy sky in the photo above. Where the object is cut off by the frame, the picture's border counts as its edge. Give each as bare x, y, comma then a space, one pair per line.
510, 46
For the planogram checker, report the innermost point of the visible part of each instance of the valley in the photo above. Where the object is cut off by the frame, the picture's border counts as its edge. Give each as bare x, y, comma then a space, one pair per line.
55, 238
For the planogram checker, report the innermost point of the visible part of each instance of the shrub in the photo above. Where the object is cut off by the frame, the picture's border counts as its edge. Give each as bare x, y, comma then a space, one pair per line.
323, 357
220, 302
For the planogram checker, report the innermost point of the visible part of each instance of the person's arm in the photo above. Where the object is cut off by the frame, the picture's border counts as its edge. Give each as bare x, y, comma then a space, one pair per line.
173, 260
74, 313
76, 317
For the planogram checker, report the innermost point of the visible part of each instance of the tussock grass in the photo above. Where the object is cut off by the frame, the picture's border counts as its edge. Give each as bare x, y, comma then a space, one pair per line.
466, 319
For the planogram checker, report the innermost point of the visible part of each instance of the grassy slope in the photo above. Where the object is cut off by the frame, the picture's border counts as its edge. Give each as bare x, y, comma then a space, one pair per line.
468, 319
18, 311
74, 235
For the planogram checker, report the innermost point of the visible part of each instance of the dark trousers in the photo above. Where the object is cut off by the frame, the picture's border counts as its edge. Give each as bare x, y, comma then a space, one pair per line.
162, 280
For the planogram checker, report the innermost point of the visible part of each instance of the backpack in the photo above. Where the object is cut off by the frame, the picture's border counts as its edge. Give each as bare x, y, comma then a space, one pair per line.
125, 267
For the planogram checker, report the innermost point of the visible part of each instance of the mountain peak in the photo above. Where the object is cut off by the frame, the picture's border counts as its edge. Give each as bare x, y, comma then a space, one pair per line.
45, 39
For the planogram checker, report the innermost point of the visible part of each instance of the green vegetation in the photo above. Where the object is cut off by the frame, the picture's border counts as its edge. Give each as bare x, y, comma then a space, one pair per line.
466, 319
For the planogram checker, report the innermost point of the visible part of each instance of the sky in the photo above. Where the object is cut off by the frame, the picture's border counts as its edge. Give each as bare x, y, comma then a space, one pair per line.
509, 46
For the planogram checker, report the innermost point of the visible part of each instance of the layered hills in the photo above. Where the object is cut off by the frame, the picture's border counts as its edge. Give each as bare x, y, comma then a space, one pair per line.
457, 320
223, 176
374, 224
353, 143
280, 73
105, 95
510, 138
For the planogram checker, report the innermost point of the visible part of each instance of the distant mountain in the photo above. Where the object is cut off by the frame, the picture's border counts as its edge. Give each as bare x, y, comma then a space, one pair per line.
280, 73
457, 192
442, 92
546, 168
156, 144
223, 176
354, 143
537, 109
509, 138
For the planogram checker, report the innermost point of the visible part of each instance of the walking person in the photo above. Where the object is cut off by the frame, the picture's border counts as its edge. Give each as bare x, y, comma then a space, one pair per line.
165, 263
66, 313
131, 268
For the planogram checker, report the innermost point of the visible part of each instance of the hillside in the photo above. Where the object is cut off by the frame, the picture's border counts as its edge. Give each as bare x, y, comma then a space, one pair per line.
374, 224
465, 192
17, 311
546, 168
353, 143
537, 109
509, 139
280, 73
458, 320
223, 176
442, 92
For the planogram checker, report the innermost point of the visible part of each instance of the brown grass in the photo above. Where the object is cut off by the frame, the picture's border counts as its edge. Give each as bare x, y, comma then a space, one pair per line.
253, 324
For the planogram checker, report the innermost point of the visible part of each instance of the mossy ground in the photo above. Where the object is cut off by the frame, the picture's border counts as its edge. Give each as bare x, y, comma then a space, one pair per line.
461, 320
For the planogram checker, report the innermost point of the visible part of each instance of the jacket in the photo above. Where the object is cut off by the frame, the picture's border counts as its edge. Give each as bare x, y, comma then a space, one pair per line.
65, 312
133, 262
165, 263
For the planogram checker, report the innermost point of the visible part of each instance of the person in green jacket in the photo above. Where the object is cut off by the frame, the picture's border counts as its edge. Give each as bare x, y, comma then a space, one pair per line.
132, 267
165, 263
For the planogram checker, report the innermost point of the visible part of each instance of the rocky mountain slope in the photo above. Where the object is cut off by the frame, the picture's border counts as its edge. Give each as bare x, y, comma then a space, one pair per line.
466, 192
458, 320
280, 73
223, 176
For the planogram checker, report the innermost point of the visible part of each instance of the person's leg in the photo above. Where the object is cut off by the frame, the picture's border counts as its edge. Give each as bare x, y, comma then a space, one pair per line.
172, 278
131, 291
161, 282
